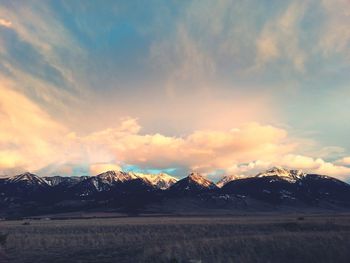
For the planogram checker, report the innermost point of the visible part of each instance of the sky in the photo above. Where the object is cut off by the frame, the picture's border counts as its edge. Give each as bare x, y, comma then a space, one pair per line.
217, 87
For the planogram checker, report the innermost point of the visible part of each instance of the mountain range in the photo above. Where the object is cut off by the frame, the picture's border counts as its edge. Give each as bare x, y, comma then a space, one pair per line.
274, 189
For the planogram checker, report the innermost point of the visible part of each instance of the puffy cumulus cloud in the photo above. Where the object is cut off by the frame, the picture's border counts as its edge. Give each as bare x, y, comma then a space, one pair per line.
328, 168
279, 38
251, 141
315, 165
249, 169
98, 168
344, 161
31, 140
205, 150
293, 161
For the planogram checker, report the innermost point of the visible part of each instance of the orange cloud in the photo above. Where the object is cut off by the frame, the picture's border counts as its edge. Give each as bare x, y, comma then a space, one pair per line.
28, 136
344, 161
201, 150
98, 168
5, 23
31, 140
292, 161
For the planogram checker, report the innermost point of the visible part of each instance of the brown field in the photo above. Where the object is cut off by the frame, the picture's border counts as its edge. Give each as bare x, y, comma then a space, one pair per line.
249, 238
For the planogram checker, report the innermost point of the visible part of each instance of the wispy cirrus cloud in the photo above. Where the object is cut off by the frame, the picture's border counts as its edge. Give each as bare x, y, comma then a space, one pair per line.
279, 39
335, 38
41, 58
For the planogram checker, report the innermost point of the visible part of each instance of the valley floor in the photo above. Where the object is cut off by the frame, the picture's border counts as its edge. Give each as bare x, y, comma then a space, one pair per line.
241, 238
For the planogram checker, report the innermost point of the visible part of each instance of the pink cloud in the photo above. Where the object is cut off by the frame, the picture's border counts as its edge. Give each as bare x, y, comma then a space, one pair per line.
5, 23
343, 161
31, 140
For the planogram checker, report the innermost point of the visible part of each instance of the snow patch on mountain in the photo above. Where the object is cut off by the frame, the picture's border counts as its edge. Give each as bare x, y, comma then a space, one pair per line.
161, 181
200, 180
67, 180
27, 178
288, 175
229, 178
111, 177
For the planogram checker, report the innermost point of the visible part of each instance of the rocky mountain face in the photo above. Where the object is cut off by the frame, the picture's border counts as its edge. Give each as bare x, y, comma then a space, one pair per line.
282, 173
282, 186
277, 187
161, 181
63, 181
227, 179
192, 184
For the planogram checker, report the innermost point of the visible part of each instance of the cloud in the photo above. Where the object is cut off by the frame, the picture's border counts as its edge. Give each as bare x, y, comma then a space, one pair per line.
267, 47
335, 37
293, 161
98, 168
37, 25
5, 23
200, 55
202, 150
279, 38
328, 168
183, 60
40, 55
206, 39
344, 161
31, 140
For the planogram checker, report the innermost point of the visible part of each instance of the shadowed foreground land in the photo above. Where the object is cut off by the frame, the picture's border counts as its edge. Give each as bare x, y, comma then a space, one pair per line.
258, 238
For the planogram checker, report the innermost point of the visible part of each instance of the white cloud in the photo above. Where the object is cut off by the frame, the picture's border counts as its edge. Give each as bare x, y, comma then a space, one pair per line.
293, 161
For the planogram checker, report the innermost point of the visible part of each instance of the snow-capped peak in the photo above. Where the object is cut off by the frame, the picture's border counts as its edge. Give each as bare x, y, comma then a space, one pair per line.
68, 180
283, 173
28, 178
228, 178
115, 176
161, 180
199, 179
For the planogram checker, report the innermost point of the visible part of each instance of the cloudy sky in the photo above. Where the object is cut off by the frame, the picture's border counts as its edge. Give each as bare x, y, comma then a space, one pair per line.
218, 87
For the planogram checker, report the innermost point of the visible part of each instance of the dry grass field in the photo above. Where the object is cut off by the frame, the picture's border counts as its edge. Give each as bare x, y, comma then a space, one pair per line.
250, 238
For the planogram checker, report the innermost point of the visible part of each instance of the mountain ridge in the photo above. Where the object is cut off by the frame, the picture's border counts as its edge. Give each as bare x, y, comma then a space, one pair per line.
275, 187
